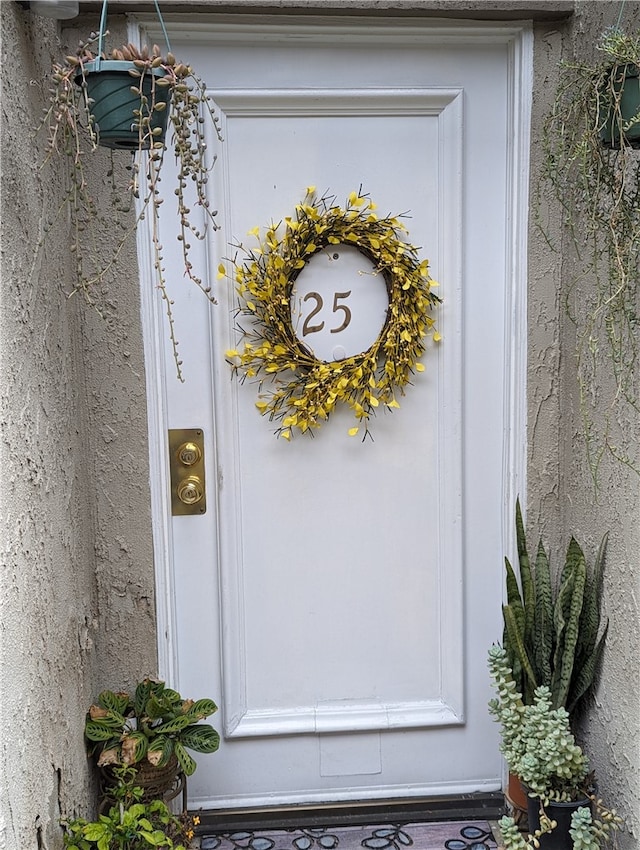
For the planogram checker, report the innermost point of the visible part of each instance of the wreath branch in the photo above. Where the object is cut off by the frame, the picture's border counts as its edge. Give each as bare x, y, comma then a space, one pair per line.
295, 388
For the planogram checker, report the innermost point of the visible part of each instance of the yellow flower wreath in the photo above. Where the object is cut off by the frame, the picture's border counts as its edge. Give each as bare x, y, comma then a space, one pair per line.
306, 390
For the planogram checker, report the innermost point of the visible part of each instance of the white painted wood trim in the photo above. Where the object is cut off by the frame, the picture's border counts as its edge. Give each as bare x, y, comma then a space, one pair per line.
159, 481
323, 28
360, 793
356, 716
152, 319
519, 104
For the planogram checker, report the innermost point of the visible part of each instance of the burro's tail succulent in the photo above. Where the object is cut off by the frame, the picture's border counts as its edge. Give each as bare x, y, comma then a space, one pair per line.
553, 637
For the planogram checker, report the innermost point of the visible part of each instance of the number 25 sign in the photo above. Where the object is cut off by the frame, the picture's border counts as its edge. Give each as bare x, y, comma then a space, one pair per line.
339, 303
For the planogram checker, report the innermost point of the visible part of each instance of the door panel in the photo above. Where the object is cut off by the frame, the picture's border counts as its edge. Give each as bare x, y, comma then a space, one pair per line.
339, 595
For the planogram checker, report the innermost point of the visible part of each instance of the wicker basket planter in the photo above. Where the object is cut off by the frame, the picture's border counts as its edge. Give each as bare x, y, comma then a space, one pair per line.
157, 783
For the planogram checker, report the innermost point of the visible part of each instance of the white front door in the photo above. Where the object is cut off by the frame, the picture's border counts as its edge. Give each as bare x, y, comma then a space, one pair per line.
338, 596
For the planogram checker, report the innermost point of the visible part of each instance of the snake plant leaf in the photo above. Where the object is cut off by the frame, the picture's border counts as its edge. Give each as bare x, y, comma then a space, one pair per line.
186, 762
160, 751
589, 648
526, 580
586, 674
517, 642
513, 593
590, 617
514, 601
570, 599
560, 614
543, 625
202, 739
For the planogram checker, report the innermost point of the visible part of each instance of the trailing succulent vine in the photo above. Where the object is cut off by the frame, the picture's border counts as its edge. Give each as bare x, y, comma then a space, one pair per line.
598, 187
586, 832
552, 637
169, 93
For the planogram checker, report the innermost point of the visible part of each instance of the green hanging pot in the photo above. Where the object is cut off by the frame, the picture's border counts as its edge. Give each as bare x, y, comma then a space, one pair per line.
625, 84
117, 111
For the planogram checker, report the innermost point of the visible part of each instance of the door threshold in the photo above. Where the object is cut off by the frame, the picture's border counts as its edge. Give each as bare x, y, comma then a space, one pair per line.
479, 806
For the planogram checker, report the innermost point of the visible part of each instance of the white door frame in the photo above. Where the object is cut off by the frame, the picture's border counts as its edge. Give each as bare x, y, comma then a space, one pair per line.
519, 39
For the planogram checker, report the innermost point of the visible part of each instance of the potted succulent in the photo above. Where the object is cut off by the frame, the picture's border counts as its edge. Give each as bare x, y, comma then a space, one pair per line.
150, 731
552, 636
131, 823
591, 168
540, 749
139, 103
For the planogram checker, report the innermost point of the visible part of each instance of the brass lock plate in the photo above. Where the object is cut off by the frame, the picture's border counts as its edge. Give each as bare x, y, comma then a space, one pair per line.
186, 465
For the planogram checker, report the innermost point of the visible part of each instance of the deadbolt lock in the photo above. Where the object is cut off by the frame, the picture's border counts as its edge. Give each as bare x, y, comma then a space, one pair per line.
186, 463
190, 490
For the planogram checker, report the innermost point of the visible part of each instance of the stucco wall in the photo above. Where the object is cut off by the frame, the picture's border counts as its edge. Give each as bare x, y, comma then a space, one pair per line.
78, 603
612, 730
562, 499
77, 572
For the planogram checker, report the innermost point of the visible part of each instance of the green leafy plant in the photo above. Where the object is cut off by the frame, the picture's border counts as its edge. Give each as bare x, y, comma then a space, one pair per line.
540, 749
598, 188
130, 824
552, 637
166, 91
152, 726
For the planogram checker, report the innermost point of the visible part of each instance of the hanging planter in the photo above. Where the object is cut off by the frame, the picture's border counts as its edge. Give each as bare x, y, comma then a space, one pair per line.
125, 116
622, 114
125, 101
590, 168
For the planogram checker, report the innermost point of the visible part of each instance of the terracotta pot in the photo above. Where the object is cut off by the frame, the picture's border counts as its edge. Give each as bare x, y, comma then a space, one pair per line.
515, 794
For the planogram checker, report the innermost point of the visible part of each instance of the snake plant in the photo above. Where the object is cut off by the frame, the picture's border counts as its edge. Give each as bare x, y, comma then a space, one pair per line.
552, 635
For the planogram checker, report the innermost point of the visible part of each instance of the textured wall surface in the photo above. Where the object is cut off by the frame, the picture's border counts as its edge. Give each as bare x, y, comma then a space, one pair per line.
77, 571
562, 500
612, 730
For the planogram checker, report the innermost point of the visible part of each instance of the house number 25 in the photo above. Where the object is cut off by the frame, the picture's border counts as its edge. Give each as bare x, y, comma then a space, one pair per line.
309, 328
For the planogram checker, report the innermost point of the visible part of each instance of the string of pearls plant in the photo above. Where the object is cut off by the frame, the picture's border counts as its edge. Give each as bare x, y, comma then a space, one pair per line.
162, 86
297, 390
597, 185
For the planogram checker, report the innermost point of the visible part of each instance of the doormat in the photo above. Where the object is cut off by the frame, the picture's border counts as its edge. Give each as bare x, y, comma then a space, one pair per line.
446, 835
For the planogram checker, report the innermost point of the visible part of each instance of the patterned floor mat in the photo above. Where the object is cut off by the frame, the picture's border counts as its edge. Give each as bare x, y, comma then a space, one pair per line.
447, 835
